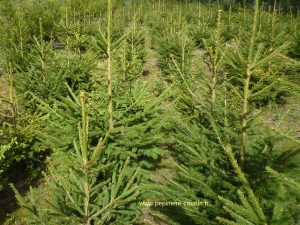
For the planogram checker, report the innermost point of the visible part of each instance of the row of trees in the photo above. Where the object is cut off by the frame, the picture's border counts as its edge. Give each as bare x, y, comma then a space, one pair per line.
101, 93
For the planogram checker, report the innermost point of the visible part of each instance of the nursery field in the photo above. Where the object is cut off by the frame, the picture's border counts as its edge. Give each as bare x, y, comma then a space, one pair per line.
149, 113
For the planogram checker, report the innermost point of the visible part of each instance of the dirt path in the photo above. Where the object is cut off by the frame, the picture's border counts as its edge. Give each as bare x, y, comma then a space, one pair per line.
152, 69
285, 118
4, 94
4, 88
152, 72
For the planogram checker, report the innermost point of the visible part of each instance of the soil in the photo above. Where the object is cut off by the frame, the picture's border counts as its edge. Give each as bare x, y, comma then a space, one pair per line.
4, 94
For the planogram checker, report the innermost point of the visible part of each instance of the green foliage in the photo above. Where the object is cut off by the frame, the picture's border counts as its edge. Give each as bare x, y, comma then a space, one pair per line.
138, 131
161, 79
13, 152
173, 47
19, 152
204, 128
47, 80
130, 59
85, 189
